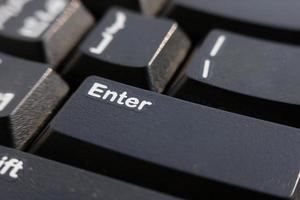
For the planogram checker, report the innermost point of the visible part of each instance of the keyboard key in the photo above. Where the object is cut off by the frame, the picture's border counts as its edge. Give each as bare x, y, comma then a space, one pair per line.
29, 92
148, 7
258, 17
42, 30
173, 146
246, 75
24, 176
131, 48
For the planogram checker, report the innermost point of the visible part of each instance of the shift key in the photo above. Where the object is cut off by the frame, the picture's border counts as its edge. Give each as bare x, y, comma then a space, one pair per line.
28, 177
173, 146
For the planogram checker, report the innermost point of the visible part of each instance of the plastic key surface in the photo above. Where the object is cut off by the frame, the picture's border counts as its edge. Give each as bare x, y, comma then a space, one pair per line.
268, 18
131, 48
42, 30
28, 177
173, 146
149, 7
29, 92
246, 75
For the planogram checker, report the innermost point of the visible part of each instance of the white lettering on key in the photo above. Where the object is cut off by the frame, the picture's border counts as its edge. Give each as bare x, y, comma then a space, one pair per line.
12, 8
102, 92
10, 167
214, 51
108, 34
5, 99
35, 25
206, 68
220, 41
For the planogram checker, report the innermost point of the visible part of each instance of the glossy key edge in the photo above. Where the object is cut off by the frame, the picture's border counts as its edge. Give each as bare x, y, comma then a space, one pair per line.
172, 51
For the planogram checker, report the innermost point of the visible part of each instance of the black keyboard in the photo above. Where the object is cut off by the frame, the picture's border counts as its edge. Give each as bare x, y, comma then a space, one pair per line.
144, 99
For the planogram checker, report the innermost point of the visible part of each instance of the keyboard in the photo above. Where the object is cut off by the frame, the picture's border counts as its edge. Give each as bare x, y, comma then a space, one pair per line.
144, 100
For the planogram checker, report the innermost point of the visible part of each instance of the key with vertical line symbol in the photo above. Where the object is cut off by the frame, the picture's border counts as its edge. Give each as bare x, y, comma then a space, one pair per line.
245, 75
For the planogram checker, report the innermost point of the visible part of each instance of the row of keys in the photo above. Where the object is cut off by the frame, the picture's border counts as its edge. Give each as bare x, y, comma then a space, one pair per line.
151, 69
115, 48
229, 71
105, 52
160, 142
43, 28
27, 177
173, 146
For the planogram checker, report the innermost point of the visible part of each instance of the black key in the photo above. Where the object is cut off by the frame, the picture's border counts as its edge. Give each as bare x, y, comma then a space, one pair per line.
148, 7
244, 75
173, 146
27, 177
131, 48
42, 30
267, 18
29, 92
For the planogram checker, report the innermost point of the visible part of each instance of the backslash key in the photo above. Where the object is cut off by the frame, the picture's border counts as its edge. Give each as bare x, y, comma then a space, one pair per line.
131, 48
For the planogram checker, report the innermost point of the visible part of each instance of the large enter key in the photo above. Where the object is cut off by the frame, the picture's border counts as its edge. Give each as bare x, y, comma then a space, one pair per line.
173, 146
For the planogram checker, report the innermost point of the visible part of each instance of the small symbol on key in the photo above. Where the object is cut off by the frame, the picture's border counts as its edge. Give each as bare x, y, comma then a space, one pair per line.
36, 24
108, 34
5, 99
11, 9
214, 51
